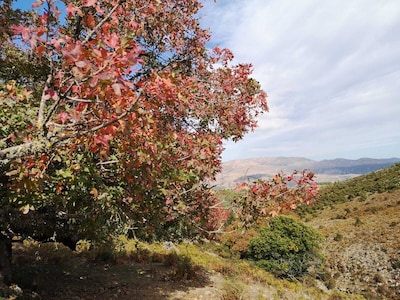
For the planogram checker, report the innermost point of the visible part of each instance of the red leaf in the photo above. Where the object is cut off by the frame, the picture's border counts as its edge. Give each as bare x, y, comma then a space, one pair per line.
113, 41
90, 21
103, 140
24, 31
72, 10
40, 50
90, 3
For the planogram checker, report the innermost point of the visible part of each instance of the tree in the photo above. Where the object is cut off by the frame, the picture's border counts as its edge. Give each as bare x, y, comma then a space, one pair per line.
123, 120
113, 119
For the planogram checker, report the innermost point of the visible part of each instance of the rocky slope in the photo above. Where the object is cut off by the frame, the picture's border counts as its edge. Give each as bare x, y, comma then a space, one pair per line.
360, 219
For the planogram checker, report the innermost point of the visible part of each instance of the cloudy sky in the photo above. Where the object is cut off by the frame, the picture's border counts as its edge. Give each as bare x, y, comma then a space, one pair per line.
331, 70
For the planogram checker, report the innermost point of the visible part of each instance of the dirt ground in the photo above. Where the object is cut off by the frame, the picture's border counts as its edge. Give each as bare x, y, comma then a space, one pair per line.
49, 273
41, 277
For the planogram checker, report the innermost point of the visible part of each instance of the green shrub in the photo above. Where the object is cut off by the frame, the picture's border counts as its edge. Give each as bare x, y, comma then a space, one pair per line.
358, 222
338, 237
232, 290
286, 247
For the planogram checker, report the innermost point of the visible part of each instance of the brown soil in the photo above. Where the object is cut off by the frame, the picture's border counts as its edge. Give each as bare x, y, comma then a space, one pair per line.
72, 276
46, 272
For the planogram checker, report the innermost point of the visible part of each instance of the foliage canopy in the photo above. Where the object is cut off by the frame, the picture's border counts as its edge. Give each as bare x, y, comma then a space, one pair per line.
113, 120
117, 113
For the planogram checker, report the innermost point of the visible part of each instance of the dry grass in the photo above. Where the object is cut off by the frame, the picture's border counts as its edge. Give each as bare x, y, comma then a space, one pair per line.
136, 270
362, 245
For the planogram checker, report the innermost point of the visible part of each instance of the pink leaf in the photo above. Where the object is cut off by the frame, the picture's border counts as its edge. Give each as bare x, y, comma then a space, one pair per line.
90, 3
73, 54
103, 140
113, 41
273, 213
117, 89
63, 117
25, 32
93, 82
51, 94
37, 3
27, 93
81, 64
72, 10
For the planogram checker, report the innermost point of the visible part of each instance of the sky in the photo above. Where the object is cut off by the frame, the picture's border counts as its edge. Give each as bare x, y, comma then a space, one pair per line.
331, 70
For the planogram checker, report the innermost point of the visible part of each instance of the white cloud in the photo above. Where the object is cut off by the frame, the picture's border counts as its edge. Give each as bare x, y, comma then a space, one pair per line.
331, 70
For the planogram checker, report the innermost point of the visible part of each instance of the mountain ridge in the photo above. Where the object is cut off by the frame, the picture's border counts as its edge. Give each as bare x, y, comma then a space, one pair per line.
327, 170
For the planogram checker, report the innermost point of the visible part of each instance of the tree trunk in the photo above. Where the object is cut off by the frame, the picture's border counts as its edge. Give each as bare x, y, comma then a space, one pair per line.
5, 259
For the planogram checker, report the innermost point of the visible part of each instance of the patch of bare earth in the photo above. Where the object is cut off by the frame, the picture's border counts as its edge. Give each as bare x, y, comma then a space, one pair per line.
77, 278
50, 272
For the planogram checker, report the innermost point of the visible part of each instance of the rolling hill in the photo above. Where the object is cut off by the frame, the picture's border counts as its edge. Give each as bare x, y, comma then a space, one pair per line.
326, 170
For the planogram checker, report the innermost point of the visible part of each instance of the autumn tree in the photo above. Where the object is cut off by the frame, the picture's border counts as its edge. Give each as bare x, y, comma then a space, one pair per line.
125, 120
113, 118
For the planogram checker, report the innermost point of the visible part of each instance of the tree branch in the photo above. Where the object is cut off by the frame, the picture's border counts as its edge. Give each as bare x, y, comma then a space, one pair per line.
101, 23
30, 148
96, 128
35, 147
42, 106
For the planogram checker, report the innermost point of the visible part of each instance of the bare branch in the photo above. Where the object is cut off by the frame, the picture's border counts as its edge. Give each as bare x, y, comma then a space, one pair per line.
97, 128
80, 100
107, 162
8, 154
101, 23
42, 106
35, 147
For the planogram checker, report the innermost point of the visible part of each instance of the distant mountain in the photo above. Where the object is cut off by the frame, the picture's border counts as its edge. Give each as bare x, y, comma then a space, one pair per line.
235, 171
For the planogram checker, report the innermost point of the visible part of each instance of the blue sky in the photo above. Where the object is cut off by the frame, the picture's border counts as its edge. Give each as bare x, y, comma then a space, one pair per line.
331, 70
27, 4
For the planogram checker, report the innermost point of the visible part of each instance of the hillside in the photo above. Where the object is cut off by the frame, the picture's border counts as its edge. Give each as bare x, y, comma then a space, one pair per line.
326, 170
360, 219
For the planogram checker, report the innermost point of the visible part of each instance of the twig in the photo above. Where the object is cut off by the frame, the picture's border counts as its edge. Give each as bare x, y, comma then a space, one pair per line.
101, 23
42, 106
94, 129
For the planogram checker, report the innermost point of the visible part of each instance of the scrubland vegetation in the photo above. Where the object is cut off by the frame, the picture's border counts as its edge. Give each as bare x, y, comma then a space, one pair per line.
113, 119
345, 248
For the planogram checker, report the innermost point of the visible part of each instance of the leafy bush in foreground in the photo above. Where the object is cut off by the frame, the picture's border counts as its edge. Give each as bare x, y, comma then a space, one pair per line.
286, 247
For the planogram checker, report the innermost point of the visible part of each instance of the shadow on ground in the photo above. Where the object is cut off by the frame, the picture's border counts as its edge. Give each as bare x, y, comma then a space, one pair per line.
75, 277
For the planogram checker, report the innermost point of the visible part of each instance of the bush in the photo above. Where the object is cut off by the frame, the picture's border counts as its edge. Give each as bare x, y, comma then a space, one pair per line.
232, 291
286, 247
338, 237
